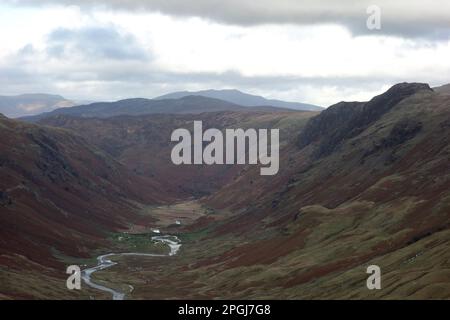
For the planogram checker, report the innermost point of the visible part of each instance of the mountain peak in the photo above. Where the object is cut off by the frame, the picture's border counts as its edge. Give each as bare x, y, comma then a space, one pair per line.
347, 119
241, 98
31, 104
222, 90
408, 88
385, 101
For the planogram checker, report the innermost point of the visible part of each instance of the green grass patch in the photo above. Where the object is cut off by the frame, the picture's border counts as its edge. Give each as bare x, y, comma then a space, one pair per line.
140, 243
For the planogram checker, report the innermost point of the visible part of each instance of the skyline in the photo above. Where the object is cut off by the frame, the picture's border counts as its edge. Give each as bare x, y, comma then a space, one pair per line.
116, 50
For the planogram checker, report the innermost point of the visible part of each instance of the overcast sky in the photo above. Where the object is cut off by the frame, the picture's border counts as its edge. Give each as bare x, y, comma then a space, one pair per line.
318, 52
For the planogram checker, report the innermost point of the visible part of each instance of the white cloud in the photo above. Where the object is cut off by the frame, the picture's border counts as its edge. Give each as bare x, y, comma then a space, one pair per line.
111, 54
402, 17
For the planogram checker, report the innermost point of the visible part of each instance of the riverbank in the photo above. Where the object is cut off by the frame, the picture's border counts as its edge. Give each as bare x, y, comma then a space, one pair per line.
105, 261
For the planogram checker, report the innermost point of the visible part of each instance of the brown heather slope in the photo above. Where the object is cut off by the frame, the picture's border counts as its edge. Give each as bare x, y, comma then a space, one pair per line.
59, 195
374, 148
372, 186
361, 183
143, 143
62, 195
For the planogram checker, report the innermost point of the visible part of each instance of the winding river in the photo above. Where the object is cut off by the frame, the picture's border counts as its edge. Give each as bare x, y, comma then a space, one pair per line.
103, 262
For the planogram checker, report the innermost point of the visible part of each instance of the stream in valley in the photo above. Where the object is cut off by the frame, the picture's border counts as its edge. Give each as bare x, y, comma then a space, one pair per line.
104, 262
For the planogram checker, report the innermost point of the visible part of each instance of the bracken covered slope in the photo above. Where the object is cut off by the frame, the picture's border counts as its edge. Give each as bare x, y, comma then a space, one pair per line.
59, 196
365, 183
143, 143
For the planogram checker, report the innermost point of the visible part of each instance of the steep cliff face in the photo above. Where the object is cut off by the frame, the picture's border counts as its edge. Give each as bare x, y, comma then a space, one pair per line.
347, 119
328, 125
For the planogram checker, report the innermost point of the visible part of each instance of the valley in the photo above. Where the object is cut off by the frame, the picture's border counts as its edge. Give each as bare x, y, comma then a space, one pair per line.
359, 183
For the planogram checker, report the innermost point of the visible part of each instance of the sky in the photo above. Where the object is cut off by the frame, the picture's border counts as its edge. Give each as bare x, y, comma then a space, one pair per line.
318, 52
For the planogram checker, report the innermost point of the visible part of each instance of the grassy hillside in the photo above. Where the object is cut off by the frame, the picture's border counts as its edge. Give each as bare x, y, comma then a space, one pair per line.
359, 184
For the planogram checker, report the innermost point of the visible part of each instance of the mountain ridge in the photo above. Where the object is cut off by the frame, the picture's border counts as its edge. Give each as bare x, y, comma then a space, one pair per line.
141, 106
347, 119
31, 104
243, 99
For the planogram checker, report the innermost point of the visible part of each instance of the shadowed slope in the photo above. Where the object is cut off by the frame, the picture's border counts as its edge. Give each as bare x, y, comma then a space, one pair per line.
60, 194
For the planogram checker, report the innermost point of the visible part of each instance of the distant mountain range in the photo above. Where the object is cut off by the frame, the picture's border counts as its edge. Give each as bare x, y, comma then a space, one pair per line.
31, 104
243, 99
140, 106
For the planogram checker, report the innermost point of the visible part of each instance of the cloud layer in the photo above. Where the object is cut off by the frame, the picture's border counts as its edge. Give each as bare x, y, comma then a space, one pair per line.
410, 18
94, 43
318, 52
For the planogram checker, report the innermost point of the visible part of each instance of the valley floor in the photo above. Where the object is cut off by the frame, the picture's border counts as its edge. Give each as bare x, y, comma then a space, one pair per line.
205, 267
